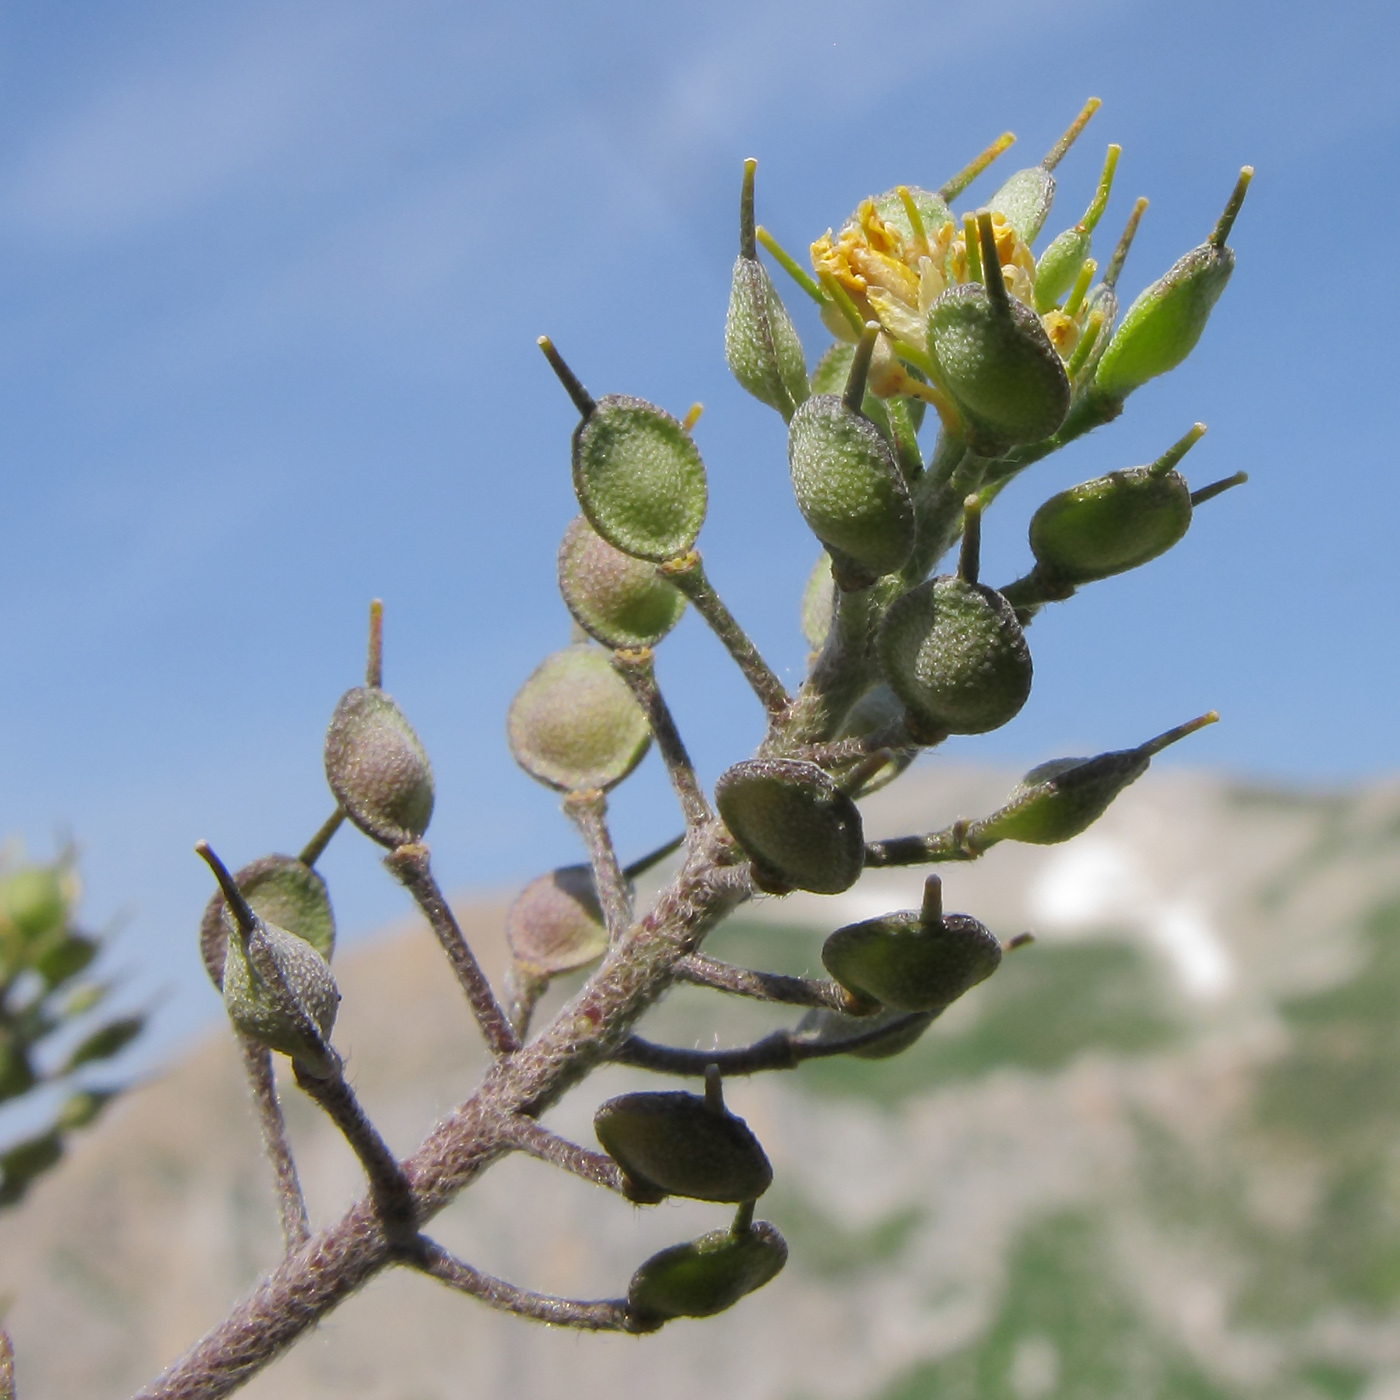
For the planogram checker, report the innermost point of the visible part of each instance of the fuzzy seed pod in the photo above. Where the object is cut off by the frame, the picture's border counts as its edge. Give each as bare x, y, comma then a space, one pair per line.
282, 891
556, 923
1025, 198
915, 960
574, 724
818, 602
618, 599
956, 656
761, 344
1058, 266
707, 1275
377, 768
933, 211
677, 1144
797, 827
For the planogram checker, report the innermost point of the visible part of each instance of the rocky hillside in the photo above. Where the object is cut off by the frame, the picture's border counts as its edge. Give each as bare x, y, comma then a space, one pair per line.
1157, 1156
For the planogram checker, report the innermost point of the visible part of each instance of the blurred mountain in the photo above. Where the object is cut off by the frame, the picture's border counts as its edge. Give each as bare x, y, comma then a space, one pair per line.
1157, 1157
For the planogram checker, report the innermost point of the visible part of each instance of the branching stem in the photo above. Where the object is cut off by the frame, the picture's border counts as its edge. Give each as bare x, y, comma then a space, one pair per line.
702, 971
588, 812
535, 1139
638, 669
291, 1204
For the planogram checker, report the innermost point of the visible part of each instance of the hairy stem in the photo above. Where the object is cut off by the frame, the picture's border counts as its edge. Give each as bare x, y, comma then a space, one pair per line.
535, 1139
291, 1204
311, 852
588, 812
637, 668
7, 1366
701, 971
949, 844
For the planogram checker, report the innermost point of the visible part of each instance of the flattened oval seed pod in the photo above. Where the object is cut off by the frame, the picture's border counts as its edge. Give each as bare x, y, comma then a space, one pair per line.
707, 1275
618, 599
676, 1144
901, 1029
639, 478
574, 724
377, 768
556, 923
796, 826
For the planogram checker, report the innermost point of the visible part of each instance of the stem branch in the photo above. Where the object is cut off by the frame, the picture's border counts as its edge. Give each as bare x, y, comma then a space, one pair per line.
291, 1204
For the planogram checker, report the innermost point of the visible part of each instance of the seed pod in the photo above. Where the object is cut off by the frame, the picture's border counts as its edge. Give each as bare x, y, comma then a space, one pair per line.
875, 711
797, 827
915, 960
1026, 196
377, 768
848, 485
818, 601
556, 923
833, 1027
708, 1275
995, 360
574, 724
281, 891
617, 599
676, 1144
831, 375
931, 208
1162, 326
956, 656
1059, 799
1115, 522
1059, 264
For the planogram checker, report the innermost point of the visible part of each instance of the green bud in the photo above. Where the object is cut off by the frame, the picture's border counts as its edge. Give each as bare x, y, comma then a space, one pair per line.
760, 341
995, 360
617, 599
799, 830
1059, 799
1115, 522
33, 900
556, 923
280, 890
708, 1275
678, 1144
915, 960
818, 602
377, 768
849, 487
1059, 264
574, 724
1162, 326
829, 1027
277, 988
1026, 196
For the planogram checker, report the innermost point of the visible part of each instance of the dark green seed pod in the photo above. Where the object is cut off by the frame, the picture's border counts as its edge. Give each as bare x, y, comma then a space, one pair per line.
1162, 326
915, 960
639, 478
1115, 522
708, 1275
676, 1144
282, 891
796, 826
556, 923
1025, 198
956, 656
574, 724
1059, 799
833, 1027
377, 768
818, 601
617, 599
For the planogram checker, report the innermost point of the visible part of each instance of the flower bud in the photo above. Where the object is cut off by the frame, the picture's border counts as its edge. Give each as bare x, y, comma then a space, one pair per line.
377, 768
708, 1275
617, 599
915, 960
556, 923
1059, 799
1115, 522
1026, 196
794, 823
280, 890
995, 360
574, 724
848, 485
1162, 326
677, 1144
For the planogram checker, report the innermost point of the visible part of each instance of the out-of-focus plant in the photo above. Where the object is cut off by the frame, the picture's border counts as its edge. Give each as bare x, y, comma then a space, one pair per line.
1017, 354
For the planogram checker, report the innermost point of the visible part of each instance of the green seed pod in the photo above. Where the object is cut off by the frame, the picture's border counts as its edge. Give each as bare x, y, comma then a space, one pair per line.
797, 827
1059, 264
995, 360
956, 656
760, 341
1162, 326
1026, 196
1115, 522
833, 1027
708, 1275
915, 960
849, 486
277, 988
875, 711
676, 1144
377, 768
1059, 799
281, 891
33, 901
574, 724
932, 210
617, 599
556, 923
818, 602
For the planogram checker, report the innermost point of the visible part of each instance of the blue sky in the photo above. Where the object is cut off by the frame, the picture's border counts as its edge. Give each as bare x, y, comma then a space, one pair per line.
271, 276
